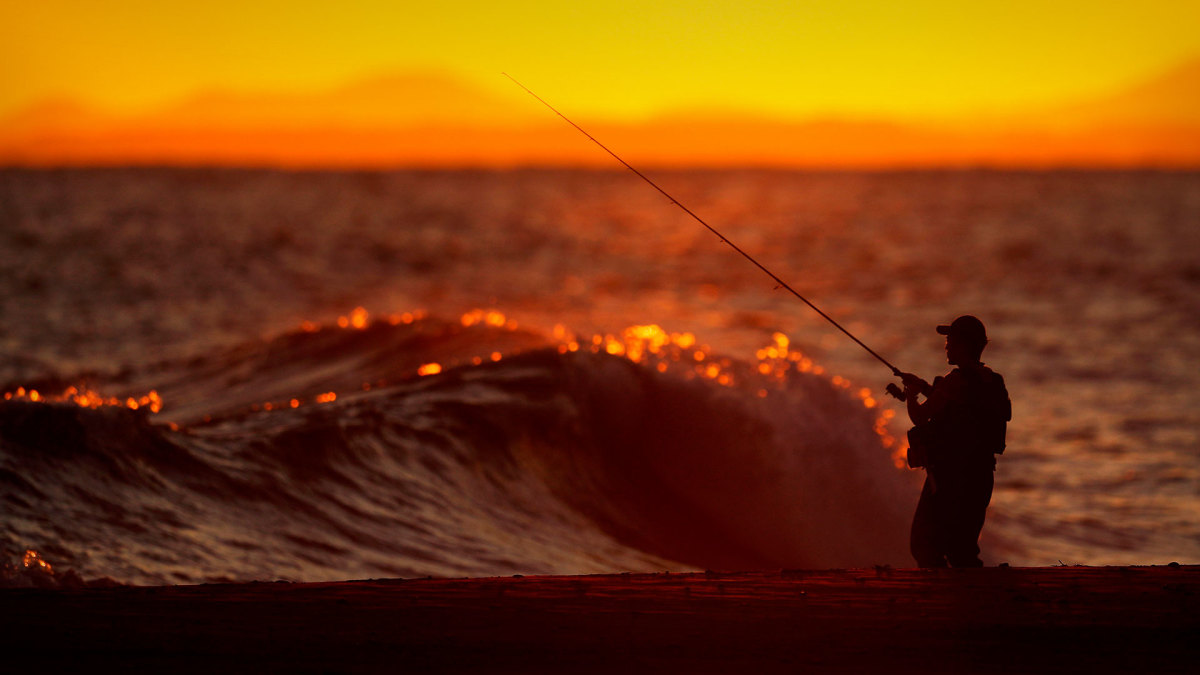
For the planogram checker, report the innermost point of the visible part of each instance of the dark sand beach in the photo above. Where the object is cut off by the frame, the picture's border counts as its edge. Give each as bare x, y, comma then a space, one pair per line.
1045, 620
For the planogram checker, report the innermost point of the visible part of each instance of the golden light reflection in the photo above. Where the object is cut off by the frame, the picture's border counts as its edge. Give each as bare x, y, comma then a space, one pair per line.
649, 345
405, 318
360, 319
652, 345
33, 559
488, 318
86, 398
645, 344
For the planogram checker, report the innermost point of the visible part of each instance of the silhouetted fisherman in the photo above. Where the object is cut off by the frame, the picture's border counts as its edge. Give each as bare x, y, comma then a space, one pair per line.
960, 428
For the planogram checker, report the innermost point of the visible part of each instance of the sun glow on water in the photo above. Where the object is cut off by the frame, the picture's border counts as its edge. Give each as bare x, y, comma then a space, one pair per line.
33, 559
87, 398
649, 345
654, 347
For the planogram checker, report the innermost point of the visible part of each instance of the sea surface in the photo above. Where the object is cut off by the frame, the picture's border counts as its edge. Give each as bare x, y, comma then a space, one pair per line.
252, 375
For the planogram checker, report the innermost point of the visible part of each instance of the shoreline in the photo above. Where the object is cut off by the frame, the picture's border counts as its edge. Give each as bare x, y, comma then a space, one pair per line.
1052, 620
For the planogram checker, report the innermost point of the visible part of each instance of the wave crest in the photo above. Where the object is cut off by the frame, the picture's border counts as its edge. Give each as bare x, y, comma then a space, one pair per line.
552, 459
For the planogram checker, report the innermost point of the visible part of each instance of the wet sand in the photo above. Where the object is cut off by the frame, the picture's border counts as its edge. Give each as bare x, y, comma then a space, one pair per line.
1033, 620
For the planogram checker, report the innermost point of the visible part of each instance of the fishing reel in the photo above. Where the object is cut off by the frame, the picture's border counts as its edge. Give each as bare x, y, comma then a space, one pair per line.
894, 390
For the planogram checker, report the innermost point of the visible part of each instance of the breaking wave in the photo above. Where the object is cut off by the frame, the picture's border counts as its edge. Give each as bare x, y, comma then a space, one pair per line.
412, 446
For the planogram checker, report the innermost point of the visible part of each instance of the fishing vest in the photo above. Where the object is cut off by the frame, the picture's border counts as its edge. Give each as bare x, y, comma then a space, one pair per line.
988, 408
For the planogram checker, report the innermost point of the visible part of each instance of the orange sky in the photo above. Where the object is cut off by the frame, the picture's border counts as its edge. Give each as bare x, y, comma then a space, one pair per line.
394, 83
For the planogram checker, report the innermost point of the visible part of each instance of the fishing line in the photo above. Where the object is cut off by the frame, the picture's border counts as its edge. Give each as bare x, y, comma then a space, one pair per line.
747, 256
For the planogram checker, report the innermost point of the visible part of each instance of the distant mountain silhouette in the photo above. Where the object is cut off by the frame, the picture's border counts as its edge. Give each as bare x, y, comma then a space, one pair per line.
392, 100
1170, 99
434, 119
53, 114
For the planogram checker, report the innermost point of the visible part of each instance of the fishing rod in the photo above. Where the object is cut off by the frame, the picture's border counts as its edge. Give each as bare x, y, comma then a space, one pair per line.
747, 256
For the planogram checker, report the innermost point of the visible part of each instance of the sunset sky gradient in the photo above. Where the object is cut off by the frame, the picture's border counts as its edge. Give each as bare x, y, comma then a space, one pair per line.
627, 63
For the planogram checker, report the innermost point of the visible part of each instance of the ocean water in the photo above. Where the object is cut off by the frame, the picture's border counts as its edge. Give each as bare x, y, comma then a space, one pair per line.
250, 374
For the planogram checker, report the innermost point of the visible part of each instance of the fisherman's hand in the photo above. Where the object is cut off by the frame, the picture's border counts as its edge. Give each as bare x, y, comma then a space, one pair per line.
913, 383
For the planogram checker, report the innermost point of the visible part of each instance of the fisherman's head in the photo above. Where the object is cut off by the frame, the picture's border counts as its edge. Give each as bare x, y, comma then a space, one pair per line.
965, 340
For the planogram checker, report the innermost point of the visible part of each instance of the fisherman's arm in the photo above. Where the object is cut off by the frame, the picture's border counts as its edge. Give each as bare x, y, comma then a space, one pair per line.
913, 387
936, 397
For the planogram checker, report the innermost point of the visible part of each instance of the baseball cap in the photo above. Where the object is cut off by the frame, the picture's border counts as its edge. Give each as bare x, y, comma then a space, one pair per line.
966, 327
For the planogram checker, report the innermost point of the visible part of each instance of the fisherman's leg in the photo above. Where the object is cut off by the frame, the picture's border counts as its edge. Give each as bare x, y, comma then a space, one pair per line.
924, 540
966, 518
